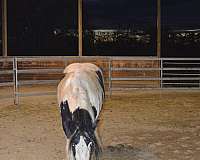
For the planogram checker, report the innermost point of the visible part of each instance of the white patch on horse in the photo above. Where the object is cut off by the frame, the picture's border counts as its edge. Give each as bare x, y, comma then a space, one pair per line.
82, 150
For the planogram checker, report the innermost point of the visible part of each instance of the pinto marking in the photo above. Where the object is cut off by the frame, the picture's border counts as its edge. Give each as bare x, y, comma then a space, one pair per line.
80, 96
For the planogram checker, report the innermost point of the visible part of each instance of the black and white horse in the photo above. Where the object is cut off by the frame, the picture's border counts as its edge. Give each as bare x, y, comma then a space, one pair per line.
80, 96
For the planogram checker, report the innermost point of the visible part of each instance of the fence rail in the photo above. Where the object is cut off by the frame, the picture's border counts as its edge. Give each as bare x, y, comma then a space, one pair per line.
122, 73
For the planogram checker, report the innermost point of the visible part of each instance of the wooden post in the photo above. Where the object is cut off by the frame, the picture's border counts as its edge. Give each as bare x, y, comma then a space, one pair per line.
159, 41
80, 27
158, 28
4, 28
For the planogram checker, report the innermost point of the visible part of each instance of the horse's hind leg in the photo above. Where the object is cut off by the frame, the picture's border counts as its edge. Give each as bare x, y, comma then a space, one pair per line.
67, 150
99, 140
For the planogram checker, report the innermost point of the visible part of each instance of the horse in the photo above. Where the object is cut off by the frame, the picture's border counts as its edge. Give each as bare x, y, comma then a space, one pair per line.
80, 97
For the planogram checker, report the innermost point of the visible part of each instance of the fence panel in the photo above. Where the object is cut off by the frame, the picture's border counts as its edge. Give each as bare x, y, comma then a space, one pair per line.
6, 78
181, 73
47, 71
134, 73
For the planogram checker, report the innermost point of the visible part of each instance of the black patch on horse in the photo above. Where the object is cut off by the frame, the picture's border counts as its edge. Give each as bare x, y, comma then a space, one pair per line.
82, 120
84, 127
100, 78
67, 122
95, 111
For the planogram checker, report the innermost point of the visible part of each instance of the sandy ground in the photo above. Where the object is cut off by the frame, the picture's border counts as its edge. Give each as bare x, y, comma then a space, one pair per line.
141, 125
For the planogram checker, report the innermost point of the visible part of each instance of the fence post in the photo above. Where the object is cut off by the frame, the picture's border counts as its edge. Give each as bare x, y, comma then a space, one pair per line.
110, 77
161, 73
14, 91
15, 81
199, 79
65, 63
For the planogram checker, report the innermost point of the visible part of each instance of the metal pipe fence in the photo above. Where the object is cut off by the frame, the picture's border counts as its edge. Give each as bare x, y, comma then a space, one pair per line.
6, 69
121, 73
182, 73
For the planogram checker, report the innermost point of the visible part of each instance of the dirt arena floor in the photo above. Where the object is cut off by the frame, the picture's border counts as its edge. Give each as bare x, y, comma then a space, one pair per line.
141, 125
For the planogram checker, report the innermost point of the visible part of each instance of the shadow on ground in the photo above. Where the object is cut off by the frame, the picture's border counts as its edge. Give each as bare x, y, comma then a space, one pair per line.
126, 152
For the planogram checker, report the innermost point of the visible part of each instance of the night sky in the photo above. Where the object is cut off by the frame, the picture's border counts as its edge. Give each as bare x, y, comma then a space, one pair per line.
31, 23
105, 13
111, 13
181, 13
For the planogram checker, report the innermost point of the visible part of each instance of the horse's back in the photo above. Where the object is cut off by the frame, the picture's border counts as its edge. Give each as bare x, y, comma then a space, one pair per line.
81, 86
84, 67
